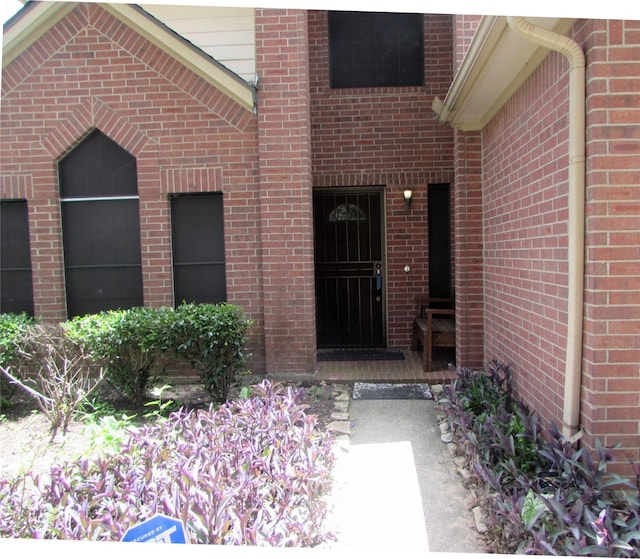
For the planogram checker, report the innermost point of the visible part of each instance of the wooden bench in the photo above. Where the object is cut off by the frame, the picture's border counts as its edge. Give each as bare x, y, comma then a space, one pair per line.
434, 326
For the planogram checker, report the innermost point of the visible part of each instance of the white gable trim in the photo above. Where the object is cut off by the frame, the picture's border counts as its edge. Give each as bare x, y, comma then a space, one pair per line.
36, 19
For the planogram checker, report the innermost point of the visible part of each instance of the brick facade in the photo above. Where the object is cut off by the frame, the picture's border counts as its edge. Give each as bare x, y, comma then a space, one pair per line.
611, 378
468, 251
91, 71
525, 214
285, 191
464, 28
509, 190
389, 137
525, 161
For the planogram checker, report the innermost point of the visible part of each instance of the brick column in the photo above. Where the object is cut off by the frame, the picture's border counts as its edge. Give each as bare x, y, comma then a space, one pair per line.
468, 249
285, 191
611, 371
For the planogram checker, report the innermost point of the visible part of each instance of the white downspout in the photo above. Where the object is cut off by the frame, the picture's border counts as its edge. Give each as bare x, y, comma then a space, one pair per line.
573, 365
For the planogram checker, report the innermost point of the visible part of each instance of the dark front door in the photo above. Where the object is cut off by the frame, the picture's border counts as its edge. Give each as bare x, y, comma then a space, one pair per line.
349, 268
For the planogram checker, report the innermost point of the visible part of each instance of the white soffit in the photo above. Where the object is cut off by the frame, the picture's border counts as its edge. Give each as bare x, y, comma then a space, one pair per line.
497, 63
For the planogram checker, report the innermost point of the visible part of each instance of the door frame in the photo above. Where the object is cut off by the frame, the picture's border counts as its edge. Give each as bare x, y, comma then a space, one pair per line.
382, 191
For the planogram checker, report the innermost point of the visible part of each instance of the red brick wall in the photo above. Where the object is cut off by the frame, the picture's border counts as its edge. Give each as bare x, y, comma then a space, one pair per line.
92, 71
612, 288
525, 222
525, 214
464, 29
468, 249
468, 221
386, 136
285, 191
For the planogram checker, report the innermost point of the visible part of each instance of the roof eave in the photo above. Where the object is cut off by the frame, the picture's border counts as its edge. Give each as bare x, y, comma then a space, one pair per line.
496, 64
36, 18
29, 24
186, 53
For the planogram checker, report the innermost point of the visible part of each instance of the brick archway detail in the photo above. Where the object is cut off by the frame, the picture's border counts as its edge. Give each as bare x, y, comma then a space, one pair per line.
74, 126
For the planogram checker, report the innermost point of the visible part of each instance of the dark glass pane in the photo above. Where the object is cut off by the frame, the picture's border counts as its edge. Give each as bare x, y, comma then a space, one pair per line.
102, 237
14, 233
102, 255
105, 232
16, 288
98, 167
198, 248
200, 283
439, 231
17, 292
198, 230
91, 290
376, 49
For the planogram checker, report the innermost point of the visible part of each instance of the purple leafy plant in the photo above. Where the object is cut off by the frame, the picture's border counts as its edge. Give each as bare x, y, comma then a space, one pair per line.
255, 471
543, 493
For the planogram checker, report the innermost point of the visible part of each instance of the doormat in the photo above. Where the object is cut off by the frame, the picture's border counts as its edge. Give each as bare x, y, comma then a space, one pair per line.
359, 355
385, 391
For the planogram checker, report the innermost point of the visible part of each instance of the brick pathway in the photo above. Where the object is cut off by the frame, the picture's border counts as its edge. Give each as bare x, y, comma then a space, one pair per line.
407, 370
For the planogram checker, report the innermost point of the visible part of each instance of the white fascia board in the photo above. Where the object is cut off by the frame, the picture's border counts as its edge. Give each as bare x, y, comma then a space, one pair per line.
37, 18
33, 21
187, 54
495, 66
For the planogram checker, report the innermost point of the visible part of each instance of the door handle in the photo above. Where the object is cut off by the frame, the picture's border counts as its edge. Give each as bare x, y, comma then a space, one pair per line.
378, 276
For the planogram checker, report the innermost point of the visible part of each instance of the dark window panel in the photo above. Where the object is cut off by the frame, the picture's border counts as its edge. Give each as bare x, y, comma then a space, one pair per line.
376, 49
102, 254
200, 283
98, 167
94, 289
199, 269
104, 232
16, 286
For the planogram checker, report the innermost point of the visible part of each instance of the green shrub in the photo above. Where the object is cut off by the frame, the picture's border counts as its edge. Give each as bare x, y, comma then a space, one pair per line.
127, 343
12, 329
211, 337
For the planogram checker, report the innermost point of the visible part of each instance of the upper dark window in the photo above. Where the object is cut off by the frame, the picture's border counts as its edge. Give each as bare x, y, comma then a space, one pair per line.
100, 227
369, 49
16, 287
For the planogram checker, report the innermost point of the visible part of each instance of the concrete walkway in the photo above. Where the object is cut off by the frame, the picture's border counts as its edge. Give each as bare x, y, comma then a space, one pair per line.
398, 486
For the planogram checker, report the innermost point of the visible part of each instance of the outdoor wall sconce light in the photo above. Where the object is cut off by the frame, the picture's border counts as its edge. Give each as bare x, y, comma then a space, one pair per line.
407, 194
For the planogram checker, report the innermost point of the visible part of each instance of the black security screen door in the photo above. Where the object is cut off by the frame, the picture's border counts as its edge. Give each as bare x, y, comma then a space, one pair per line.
349, 268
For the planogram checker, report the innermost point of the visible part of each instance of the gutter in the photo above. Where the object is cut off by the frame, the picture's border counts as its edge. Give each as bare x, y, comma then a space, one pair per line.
576, 228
